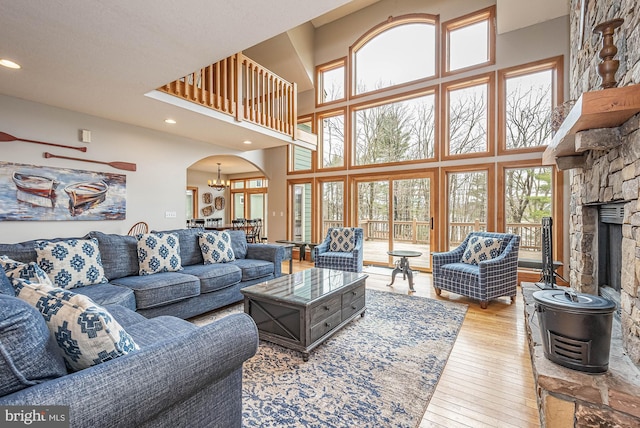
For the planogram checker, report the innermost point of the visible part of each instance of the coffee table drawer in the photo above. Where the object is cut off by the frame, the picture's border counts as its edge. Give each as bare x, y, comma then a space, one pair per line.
352, 308
325, 326
325, 309
352, 295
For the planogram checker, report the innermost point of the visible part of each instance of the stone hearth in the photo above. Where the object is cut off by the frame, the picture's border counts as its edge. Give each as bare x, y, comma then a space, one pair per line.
570, 398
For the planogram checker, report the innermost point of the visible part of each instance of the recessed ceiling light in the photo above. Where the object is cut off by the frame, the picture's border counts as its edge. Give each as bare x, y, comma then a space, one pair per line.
170, 121
9, 64
247, 142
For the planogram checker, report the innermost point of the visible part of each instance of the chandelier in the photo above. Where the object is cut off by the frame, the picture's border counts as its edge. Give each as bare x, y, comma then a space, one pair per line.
218, 184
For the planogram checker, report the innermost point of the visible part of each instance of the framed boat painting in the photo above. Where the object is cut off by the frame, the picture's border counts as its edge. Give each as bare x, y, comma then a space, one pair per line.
30, 192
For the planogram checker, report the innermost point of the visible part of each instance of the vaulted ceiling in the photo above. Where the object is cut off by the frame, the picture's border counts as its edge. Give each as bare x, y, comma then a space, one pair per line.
100, 58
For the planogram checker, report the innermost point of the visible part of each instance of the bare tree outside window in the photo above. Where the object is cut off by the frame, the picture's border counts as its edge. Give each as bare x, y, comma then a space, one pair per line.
333, 141
467, 204
528, 198
332, 205
468, 120
528, 107
332, 84
395, 132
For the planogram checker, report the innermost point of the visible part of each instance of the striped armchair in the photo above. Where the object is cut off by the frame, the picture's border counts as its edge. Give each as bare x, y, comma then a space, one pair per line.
348, 261
484, 281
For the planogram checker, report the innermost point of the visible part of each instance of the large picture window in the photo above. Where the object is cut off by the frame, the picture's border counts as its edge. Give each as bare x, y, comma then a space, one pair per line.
528, 95
529, 195
467, 204
383, 58
332, 139
395, 132
419, 158
333, 204
468, 110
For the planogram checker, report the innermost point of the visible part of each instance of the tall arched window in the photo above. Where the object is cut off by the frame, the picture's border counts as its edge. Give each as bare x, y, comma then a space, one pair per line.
398, 51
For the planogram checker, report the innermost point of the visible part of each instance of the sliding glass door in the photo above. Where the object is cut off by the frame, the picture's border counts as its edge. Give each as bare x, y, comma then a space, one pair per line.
396, 214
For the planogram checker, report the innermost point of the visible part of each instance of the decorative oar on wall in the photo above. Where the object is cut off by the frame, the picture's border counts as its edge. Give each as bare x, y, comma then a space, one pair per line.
119, 165
4, 137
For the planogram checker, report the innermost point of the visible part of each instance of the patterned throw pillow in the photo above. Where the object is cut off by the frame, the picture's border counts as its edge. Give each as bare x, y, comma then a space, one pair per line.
216, 247
71, 263
158, 252
480, 249
29, 271
342, 240
85, 332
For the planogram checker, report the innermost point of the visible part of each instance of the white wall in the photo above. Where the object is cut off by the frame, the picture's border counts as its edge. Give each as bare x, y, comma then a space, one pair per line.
157, 186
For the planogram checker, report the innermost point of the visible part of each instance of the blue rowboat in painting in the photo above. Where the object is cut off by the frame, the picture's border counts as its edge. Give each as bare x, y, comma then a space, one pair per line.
35, 184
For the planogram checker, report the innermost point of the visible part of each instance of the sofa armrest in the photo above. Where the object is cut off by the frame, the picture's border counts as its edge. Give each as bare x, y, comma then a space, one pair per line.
132, 389
268, 252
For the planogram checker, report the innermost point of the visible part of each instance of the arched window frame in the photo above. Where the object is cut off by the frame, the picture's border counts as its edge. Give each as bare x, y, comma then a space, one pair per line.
389, 24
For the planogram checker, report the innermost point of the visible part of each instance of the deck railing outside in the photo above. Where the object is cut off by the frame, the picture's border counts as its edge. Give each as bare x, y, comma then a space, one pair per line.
244, 89
418, 232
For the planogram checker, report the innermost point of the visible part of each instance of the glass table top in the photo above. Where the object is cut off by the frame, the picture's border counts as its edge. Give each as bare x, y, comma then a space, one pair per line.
304, 287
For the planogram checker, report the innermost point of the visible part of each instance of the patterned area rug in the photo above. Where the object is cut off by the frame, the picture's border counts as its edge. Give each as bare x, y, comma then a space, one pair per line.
378, 371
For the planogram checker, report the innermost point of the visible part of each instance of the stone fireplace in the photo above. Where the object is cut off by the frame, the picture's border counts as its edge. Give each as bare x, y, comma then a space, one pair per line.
603, 170
604, 203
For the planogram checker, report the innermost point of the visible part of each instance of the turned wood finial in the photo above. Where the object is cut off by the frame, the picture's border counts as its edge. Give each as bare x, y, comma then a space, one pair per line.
608, 67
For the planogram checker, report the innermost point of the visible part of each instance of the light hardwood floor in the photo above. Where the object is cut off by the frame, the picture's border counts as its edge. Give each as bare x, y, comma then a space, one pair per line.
488, 380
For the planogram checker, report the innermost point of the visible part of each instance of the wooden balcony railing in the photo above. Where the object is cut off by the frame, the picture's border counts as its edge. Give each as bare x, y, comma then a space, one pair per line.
419, 232
244, 89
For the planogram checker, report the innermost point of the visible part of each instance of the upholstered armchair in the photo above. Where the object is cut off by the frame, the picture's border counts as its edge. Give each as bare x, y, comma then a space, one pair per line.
340, 250
483, 267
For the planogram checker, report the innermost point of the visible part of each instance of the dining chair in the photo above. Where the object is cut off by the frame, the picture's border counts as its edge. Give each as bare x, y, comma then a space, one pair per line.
138, 228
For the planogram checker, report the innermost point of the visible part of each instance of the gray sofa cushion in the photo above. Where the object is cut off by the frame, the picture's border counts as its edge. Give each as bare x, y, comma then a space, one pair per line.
109, 294
161, 288
119, 254
238, 243
253, 269
189, 248
215, 276
28, 354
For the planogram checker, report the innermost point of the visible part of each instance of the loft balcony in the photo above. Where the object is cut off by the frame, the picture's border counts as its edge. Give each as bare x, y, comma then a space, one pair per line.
240, 88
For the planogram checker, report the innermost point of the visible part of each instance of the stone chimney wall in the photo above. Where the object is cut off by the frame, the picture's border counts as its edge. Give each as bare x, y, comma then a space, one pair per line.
609, 175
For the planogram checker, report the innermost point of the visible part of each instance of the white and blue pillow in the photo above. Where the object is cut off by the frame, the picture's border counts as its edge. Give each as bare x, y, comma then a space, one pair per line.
86, 333
31, 272
72, 263
216, 247
342, 240
480, 249
158, 252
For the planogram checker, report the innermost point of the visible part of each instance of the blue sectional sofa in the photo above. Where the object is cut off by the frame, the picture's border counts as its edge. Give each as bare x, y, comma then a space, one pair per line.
182, 376
179, 375
194, 290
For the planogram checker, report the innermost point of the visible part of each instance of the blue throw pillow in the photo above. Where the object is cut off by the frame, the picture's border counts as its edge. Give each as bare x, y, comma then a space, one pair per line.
5, 284
29, 354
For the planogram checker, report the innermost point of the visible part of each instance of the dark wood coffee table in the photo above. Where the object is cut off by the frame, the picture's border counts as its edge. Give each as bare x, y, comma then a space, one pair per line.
302, 310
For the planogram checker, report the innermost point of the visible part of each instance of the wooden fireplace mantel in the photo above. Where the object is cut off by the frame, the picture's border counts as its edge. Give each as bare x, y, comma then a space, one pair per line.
607, 108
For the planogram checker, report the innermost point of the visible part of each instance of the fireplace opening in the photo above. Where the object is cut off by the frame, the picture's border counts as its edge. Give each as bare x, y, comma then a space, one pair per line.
610, 219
